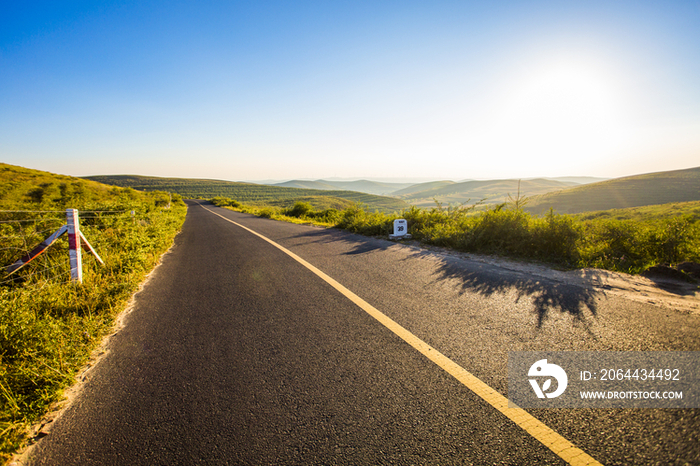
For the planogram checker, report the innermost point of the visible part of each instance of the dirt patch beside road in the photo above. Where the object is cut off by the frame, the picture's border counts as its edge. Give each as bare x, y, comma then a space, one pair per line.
668, 292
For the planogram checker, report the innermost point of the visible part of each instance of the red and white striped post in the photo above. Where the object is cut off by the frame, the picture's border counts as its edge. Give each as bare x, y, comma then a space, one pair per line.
76, 259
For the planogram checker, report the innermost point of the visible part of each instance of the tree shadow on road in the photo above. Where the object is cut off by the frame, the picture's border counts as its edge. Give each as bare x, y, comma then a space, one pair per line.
546, 295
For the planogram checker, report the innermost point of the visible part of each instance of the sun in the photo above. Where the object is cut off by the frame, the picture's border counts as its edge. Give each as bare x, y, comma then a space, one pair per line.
563, 109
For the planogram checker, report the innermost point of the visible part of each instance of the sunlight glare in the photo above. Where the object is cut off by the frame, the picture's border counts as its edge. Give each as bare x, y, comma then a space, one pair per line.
562, 111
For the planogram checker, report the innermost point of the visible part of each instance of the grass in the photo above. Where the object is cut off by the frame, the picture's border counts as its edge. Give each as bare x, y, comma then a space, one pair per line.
630, 244
651, 213
255, 195
48, 325
633, 191
299, 212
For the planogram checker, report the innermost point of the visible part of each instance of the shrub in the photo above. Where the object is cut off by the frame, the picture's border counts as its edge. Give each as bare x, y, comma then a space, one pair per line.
221, 201
500, 231
557, 238
265, 213
299, 210
674, 241
358, 220
614, 245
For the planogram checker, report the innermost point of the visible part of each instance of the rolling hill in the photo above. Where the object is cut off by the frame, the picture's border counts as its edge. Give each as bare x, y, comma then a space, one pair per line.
420, 187
363, 186
307, 184
579, 179
247, 193
491, 191
619, 193
24, 188
648, 213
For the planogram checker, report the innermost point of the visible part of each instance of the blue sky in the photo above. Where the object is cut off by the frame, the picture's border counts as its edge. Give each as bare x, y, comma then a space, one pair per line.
379, 89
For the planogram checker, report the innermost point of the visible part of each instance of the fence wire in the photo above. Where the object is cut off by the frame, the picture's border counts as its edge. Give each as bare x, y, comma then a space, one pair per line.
21, 231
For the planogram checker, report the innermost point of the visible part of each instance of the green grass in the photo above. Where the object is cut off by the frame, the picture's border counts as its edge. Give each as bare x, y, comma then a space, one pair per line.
48, 325
250, 194
651, 213
316, 202
299, 212
641, 239
633, 191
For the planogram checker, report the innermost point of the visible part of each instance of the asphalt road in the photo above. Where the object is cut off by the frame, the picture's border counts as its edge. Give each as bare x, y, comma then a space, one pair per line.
235, 353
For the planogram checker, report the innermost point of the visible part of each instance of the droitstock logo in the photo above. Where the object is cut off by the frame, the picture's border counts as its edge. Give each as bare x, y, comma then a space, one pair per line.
545, 372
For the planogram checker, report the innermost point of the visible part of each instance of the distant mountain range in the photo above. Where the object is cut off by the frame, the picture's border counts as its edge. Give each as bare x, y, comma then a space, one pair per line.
446, 191
486, 191
573, 194
363, 186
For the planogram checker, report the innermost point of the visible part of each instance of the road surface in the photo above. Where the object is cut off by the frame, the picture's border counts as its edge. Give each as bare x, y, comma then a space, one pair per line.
237, 352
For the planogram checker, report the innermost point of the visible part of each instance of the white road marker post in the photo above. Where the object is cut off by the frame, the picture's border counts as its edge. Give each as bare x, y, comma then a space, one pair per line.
400, 229
74, 251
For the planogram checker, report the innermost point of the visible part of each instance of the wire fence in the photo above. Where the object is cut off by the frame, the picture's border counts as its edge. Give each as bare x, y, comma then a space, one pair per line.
23, 230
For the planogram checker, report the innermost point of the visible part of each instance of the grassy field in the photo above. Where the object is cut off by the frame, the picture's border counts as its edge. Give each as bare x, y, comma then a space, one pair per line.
250, 194
633, 191
49, 325
627, 241
650, 213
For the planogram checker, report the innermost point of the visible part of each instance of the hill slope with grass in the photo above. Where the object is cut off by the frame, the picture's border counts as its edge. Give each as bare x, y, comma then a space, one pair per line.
619, 193
23, 188
421, 187
306, 184
363, 186
248, 193
648, 214
491, 191
49, 325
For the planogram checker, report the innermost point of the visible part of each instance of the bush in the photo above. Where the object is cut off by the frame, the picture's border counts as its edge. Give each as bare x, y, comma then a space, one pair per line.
674, 241
299, 210
265, 213
557, 238
221, 201
633, 246
359, 220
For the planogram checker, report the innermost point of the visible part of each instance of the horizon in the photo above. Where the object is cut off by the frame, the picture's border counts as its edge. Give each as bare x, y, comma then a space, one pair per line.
394, 180
357, 90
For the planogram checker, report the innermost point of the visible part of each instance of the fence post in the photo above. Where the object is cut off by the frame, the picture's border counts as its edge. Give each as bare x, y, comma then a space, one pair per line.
76, 259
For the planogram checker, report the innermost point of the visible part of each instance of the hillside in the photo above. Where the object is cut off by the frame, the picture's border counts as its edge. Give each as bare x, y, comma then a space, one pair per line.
247, 193
421, 187
306, 184
631, 191
23, 188
491, 191
579, 179
50, 324
648, 214
363, 186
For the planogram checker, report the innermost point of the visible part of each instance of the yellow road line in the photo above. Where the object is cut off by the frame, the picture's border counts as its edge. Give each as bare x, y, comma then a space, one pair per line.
549, 438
